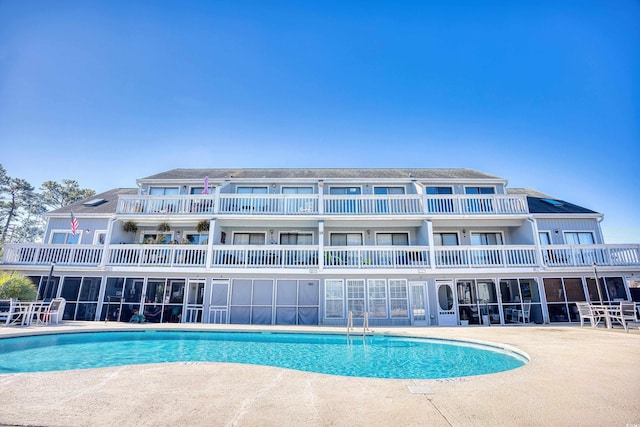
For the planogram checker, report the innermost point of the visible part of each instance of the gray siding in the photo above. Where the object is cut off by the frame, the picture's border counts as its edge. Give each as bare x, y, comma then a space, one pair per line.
569, 224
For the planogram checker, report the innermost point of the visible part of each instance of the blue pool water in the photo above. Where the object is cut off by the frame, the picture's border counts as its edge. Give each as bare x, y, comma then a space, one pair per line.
377, 356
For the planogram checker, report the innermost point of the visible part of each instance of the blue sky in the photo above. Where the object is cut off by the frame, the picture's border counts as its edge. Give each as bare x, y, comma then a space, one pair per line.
543, 93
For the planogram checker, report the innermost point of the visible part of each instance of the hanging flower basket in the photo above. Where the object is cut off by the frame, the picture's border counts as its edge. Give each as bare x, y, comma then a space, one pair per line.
129, 227
163, 227
202, 226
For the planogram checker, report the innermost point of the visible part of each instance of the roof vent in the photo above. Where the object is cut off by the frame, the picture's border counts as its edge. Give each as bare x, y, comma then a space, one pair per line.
94, 202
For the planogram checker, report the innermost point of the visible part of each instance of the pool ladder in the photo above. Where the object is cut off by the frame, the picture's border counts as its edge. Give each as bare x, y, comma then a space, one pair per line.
365, 324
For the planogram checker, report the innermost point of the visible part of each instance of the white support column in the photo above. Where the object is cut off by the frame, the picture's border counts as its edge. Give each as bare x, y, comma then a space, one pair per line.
320, 245
107, 239
212, 228
536, 240
216, 200
321, 197
432, 248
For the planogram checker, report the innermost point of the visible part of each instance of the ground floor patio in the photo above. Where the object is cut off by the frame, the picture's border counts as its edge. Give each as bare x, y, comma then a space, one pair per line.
576, 376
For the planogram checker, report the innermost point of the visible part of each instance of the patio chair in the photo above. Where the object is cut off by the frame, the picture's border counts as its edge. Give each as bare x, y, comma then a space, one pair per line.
587, 312
624, 316
7, 310
523, 314
55, 311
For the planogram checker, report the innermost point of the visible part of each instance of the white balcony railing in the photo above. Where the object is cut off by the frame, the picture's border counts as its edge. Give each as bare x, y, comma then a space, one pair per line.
258, 256
456, 204
158, 255
39, 254
376, 257
373, 204
269, 204
309, 204
587, 255
485, 256
192, 204
265, 256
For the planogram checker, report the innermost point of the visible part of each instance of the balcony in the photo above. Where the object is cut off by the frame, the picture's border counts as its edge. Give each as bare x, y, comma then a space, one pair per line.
39, 254
310, 204
491, 204
485, 256
334, 257
587, 255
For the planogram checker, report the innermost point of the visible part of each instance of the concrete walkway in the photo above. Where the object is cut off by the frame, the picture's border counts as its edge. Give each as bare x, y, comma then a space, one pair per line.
576, 377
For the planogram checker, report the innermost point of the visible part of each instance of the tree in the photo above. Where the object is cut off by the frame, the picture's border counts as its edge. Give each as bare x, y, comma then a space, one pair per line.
16, 285
21, 208
16, 196
57, 195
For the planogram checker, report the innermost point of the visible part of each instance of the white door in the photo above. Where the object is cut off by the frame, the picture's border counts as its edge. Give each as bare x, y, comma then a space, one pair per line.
219, 303
445, 293
419, 310
195, 301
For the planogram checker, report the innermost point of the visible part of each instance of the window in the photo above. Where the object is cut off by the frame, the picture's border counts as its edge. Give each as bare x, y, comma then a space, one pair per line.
393, 239
164, 191
345, 190
346, 239
157, 238
388, 190
251, 190
398, 298
377, 298
334, 299
297, 190
439, 190
248, 238
196, 238
545, 238
296, 239
479, 190
579, 238
486, 238
445, 239
60, 237
199, 190
355, 297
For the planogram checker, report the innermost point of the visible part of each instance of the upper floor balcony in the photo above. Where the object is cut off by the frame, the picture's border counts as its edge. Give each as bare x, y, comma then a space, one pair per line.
315, 204
331, 257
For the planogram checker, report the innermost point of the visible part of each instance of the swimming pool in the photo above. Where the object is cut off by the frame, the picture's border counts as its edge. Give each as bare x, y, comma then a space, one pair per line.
376, 356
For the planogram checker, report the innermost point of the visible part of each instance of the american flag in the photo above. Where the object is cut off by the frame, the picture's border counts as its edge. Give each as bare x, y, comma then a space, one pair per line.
74, 225
205, 190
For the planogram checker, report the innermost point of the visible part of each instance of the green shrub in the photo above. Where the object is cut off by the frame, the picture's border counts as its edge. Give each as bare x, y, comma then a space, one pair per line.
16, 285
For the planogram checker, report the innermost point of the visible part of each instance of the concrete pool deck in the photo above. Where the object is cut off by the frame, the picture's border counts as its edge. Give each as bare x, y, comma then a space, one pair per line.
576, 376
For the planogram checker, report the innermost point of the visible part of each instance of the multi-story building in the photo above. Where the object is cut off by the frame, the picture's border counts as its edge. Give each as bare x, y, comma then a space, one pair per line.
310, 246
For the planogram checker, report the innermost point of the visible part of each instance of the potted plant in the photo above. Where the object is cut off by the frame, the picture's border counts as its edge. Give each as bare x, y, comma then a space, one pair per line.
164, 227
129, 227
202, 226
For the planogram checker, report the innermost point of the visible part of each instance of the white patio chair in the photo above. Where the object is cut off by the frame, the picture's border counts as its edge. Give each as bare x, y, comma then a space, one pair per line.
55, 311
625, 315
586, 312
7, 310
523, 313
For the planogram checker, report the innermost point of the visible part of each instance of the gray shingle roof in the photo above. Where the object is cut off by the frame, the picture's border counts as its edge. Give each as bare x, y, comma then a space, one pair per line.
108, 207
321, 173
